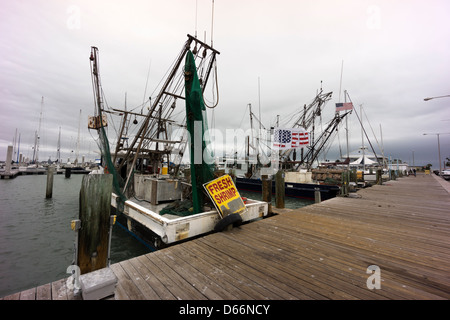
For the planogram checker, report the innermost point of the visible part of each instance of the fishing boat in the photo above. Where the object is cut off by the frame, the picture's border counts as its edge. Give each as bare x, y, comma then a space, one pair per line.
156, 197
298, 173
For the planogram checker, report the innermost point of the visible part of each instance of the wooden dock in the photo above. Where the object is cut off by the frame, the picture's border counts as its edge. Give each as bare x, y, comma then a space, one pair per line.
321, 251
11, 174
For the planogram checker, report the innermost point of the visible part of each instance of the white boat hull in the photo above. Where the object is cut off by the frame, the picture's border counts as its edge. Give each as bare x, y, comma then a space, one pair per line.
172, 229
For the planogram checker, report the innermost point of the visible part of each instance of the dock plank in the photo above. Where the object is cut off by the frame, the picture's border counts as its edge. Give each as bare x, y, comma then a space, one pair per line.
176, 283
281, 269
29, 294
44, 292
59, 290
222, 284
135, 276
128, 289
143, 269
250, 277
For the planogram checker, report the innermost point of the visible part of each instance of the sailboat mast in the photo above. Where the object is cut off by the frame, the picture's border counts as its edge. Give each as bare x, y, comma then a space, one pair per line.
18, 150
382, 149
362, 140
38, 136
58, 148
346, 132
14, 145
78, 140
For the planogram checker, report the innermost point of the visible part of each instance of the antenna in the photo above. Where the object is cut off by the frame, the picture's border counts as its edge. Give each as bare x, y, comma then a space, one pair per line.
340, 84
259, 103
196, 7
212, 23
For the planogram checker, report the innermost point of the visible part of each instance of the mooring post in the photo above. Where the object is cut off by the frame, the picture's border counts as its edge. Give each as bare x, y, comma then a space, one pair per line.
345, 182
393, 177
353, 177
279, 189
317, 197
49, 190
379, 177
68, 172
9, 154
267, 191
94, 214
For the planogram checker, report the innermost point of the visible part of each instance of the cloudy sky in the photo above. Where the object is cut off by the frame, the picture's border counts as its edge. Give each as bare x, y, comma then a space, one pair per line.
394, 54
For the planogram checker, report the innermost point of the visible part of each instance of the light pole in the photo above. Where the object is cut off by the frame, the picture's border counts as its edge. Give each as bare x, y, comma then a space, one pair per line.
439, 148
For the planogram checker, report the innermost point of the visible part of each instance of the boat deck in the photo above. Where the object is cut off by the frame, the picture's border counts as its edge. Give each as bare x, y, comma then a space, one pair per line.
317, 252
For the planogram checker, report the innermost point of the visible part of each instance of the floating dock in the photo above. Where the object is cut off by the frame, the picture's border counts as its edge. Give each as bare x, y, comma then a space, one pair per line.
9, 174
329, 250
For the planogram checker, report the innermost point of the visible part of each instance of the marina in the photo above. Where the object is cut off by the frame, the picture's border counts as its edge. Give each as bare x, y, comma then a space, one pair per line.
230, 161
322, 251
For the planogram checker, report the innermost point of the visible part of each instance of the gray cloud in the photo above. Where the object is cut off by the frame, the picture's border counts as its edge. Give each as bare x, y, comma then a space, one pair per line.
395, 54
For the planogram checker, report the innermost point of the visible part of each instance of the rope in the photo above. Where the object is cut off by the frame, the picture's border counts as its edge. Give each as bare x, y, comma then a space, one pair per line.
217, 88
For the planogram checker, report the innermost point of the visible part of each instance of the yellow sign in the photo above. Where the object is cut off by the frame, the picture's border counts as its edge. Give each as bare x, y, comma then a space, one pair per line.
225, 195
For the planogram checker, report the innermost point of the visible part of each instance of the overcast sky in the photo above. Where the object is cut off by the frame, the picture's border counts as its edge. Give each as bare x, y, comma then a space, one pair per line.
394, 53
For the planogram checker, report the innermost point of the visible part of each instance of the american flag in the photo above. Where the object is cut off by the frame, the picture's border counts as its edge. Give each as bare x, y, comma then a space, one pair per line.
300, 139
344, 106
289, 138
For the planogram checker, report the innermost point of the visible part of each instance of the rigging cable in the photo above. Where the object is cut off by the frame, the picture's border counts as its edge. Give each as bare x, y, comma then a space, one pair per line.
364, 130
217, 87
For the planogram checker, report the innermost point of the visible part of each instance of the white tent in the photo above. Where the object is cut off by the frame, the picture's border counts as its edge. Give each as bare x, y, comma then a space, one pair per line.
360, 160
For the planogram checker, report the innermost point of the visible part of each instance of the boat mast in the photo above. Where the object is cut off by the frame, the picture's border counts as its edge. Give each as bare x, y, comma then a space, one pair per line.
147, 133
37, 137
58, 148
362, 141
78, 140
382, 149
18, 150
346, 133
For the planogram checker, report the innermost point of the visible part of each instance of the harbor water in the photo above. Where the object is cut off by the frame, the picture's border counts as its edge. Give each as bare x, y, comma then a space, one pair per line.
36, 241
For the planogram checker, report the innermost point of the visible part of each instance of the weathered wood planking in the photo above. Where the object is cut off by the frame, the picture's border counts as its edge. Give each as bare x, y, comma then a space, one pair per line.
320, 251
94, 214
323, 251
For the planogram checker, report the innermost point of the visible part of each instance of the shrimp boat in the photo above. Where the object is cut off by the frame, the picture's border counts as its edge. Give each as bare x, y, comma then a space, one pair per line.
155, 195
299, 182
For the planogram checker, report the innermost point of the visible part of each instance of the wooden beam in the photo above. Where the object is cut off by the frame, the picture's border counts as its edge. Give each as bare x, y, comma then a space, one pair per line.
95, 207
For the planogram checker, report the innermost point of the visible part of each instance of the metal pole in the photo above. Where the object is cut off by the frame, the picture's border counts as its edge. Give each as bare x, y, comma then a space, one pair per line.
112, 221
439, 152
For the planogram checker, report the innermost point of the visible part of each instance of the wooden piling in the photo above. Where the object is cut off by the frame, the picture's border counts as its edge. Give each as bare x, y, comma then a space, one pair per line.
379, 177
353, 175
68, 172
94, 214
9, 154
317, 197
393, 176
267, 191
49, 189
345, 180
279, 189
